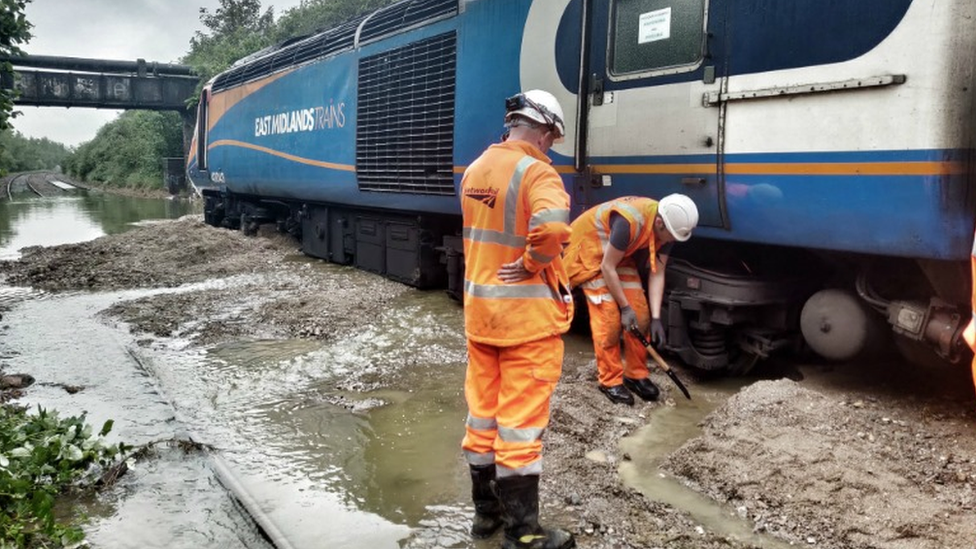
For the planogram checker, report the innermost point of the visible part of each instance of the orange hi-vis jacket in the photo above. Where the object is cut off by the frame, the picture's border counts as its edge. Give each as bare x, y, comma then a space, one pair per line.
514, 205
591, 235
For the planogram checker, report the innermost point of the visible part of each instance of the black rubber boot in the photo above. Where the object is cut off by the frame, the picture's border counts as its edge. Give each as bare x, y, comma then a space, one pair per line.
487, 509
520, 509
643, 388
618, 394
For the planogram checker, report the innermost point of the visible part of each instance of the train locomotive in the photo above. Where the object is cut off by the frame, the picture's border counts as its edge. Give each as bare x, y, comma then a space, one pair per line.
828, 145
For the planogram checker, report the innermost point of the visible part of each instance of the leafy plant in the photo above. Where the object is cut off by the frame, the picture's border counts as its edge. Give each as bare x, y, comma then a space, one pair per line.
129, 151
41, 455
14, 30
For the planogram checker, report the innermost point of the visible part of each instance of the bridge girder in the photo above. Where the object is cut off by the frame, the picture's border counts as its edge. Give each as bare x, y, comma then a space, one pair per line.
104, 91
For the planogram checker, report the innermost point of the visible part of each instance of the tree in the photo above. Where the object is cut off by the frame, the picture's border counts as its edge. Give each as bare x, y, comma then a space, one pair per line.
234, 30
239, 28
234, 16
14, 30
22, 154
129, 151
315, 15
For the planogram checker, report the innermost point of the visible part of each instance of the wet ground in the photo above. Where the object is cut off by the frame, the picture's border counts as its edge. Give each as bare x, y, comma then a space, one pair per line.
330, 401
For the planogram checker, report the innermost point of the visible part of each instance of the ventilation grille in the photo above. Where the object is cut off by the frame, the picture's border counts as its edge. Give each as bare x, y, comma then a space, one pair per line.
405, 138
329, 42
404, 15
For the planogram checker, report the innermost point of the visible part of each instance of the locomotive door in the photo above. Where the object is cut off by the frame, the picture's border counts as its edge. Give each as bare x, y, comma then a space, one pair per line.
648, 130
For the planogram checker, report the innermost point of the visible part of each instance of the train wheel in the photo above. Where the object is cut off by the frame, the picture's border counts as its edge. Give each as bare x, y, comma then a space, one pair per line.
743, 364
248, 226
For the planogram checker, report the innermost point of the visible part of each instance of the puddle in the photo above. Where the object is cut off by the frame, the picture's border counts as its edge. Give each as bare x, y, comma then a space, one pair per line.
327, 460
667, 429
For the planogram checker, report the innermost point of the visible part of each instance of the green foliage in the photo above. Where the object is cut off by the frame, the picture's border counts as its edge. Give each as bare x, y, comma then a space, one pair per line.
40, 456
14, 30
238, 28
234, 30
129, 151
317, 15
22, 154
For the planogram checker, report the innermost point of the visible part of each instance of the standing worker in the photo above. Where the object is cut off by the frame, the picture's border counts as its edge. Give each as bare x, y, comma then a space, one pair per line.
608, 244
517, 305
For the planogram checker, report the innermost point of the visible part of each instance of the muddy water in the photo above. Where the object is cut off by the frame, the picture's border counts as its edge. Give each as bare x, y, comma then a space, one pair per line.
327, 463
328, 466
322, 457
667, 429
303, 439
328, 458
76, 217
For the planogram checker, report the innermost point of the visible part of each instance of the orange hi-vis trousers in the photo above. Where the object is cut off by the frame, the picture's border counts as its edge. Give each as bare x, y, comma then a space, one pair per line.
605, 326
508, 391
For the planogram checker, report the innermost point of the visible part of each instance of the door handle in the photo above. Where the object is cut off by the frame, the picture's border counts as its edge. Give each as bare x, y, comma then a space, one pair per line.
693, 181
596, 86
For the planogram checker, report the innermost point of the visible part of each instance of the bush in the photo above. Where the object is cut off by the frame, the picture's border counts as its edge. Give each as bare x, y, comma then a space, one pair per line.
41, 455
129, 151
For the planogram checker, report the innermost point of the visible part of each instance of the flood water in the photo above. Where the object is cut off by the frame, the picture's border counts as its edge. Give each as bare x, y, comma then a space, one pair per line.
77, 216
295, 450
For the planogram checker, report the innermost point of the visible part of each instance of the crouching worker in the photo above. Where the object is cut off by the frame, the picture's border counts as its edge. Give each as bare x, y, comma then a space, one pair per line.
608, 244
516, 307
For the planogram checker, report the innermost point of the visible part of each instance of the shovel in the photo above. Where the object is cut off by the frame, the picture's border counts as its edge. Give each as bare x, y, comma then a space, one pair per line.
660, 361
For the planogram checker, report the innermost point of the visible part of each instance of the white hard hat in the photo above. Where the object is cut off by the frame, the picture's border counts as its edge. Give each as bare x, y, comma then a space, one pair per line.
680, 215
539, 106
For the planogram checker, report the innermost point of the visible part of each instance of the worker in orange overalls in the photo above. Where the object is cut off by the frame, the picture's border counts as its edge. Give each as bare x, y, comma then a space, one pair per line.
517, 304
969, 334
608, 244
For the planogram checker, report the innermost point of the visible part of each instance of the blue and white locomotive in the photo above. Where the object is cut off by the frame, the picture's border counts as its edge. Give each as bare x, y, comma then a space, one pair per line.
828, 145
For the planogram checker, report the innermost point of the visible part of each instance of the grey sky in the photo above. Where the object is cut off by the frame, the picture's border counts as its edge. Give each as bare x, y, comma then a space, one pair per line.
154, 30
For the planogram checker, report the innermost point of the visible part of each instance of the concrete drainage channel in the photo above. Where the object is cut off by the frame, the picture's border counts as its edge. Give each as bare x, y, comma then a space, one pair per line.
248, 504
229, 479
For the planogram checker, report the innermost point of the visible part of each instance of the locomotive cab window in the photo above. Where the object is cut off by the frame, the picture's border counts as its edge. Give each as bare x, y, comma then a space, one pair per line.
653, 35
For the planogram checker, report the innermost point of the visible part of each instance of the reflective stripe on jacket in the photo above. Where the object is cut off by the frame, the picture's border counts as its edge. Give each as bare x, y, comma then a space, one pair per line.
514, 205
591, 235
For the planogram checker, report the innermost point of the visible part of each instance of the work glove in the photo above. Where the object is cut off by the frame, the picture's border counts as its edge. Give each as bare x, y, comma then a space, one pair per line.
628, 318
657, 332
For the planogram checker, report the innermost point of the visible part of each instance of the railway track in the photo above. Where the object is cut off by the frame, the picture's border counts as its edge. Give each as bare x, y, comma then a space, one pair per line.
33, 189
34, 183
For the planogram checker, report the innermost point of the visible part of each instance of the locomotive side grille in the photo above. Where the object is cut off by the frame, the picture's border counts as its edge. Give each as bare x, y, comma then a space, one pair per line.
405, 137
404, 15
